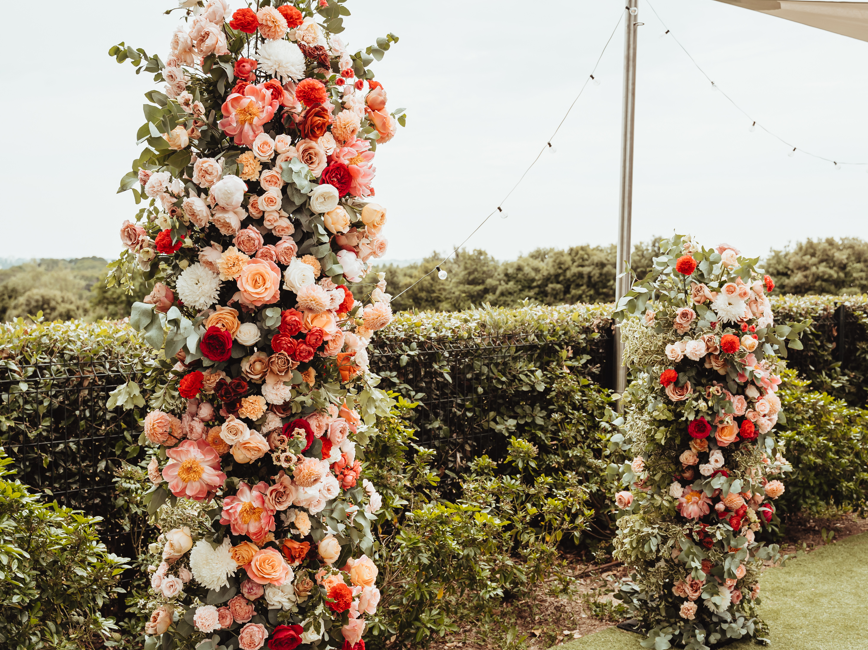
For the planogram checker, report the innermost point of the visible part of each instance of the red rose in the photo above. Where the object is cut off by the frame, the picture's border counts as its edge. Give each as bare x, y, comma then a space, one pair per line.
326, 448
668, 377
707, 542
291, 322
685, 265
311, 92
302, 424
337, 174
770, 284
747, 430
314, 338
348, 73
360, 84
191, 384
359, 646
216, 344
341, 598
293, 16
286, 637
340, 81
348, 302
303, 353
699, 428
239, 87
735, 522
766, 511
232, 406
244, 20
164, 244
729, 343
245, 69
282, 342
228, 391
722, 472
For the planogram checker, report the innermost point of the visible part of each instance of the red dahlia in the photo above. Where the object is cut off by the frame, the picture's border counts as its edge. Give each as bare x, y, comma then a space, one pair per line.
747, 431
699, 428
685, 265
302, 424
668, 377
338, 175
191, 384
729, 343
216, 344
311, 92
293, 16
770, 284
244, 20
164, 244
342, 597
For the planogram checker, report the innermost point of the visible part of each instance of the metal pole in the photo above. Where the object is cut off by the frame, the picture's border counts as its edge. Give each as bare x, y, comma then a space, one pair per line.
622, 286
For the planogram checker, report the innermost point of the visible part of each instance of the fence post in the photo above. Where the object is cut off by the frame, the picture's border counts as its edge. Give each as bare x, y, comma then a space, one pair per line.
841, 338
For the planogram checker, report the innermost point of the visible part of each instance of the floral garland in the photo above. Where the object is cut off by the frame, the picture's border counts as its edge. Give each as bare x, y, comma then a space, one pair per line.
699, 334
257, 174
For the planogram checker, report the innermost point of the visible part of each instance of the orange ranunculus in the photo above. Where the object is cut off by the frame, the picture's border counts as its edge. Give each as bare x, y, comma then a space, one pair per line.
295, 552
346, 366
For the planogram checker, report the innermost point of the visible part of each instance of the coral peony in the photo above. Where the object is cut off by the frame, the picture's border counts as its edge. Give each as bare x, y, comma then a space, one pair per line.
694, 504
247, 512
193, 470
245, 114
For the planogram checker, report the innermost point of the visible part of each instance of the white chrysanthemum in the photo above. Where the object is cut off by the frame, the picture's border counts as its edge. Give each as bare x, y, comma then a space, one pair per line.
725, 597
198, 287
728, 312
281, 597
282, 59
212, 566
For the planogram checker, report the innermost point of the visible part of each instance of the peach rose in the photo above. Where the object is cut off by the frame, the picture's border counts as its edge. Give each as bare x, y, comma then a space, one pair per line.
329, 549
325, 321
679, 394
225, 318
337, 220
271, 180
243, 553
283, 144
364, 572
248, 240
726, 434
312, 155
374, 216
282, 228
252, 636
206, 172
271, 201
259, 283
177, 138
263, 147
353, 631
253, 448
730, 290
268, 568
228, 222
739, 405
161, 619
749, 343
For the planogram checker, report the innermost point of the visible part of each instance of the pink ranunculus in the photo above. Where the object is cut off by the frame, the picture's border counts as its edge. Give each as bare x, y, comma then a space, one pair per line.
252, 636
248, 513
694, 504
193, 470
245, 114
624, 499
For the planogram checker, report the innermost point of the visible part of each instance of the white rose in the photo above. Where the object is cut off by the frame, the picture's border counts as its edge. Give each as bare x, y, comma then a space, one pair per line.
695, 350
263, 147
354, 268
324, 198
675, 490
229, 192
178, 542
298, 275
715, 458
313, 634
729, 258
706, 470
281, 597
329, 488
247, 334
234, 431
329, 549
673, 352
157, 184
171, 586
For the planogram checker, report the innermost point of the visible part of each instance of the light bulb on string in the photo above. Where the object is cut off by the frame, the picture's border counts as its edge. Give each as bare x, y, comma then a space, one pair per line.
714, 86
595, 81
792, 153
441, 273
664, 34
503, 213
552, 148
837, 166
752, 127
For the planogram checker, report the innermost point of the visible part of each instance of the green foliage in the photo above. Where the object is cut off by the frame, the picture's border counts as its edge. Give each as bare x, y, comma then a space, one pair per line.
834, 266
825, 441
55, 574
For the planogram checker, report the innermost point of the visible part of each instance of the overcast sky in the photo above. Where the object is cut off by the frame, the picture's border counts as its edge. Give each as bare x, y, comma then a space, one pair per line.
485, 83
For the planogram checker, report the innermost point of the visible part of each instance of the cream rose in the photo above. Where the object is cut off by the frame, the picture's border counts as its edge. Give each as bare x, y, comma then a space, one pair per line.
228, 222
749, 343
251, 448
337, 220
329, 549
271, 180
271, 201
196, 210
729, 258
324, 199
298, 275
161, 619
229, 192
206, 172
177, 138
282, 144
248, 334
374, 216
234, 431
263, 147
364, 572
178, 542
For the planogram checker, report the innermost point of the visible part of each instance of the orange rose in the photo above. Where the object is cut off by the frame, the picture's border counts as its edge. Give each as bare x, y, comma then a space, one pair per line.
726, 434
295, 552
325, 321
315, 123
268, 567
226, 319
346, 366
244, 552
364, 572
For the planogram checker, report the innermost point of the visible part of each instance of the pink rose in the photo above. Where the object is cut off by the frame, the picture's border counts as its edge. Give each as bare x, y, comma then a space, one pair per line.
133, 236
270, 180
312, 155
368, 600
263, 147
196, 210
286, 250
283, 228
684, 317
225, 617
252, 590
252, 636
624, 499
248, 240
679, 394
242, 610
267, 253
739, 405
161, 297
353, 630
271, 201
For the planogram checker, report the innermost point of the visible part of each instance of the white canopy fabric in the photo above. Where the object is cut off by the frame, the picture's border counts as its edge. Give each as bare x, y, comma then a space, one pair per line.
846, 18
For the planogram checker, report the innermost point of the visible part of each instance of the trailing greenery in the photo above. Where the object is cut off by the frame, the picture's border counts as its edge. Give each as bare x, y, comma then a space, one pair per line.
55, 574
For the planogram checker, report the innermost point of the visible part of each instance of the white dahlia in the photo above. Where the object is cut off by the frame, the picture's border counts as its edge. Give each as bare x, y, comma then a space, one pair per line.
212, 566
282, 59
198, 287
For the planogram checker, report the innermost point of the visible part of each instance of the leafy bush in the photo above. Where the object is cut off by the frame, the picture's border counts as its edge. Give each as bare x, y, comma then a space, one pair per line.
825, 441
835, 266
55, 574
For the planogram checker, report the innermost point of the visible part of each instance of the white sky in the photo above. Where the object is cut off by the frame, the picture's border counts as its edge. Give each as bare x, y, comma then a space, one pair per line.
485, 83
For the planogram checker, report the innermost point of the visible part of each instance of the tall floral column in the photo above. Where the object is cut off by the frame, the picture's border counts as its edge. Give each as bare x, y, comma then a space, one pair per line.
255, 184
703, 351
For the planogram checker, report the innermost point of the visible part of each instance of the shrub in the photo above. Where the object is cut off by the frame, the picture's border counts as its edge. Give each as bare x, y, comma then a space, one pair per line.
55, 574
825, 442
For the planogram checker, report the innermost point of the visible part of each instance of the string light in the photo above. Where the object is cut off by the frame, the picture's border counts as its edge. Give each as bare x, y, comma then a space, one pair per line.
664, 34
595, 80
552, 148
714, 86
548, 146
752, 127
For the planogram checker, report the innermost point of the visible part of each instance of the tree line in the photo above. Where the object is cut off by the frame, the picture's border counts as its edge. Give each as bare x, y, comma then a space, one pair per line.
68, 289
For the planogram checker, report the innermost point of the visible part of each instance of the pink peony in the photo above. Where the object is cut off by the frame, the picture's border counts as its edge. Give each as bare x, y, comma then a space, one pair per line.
193, 470
248, 512
252, 636
694, 504
244, 115
242, 610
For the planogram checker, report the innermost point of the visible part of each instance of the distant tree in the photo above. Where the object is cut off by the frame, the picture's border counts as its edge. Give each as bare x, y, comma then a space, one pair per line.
114, 303
836, 266
53, 303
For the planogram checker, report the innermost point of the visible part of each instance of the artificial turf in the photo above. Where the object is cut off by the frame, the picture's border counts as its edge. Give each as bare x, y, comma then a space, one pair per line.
816, 602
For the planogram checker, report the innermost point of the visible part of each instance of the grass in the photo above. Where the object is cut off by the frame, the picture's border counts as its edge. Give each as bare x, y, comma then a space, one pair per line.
815, 602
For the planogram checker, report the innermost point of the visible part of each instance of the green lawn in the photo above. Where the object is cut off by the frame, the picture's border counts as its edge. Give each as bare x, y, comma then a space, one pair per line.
816, 602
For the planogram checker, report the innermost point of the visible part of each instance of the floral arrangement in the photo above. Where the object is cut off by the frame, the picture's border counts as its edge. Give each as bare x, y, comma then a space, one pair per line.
257, 177
700, 338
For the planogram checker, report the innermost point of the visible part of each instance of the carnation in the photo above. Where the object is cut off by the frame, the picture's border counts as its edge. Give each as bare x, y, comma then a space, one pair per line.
206, 619
198, 287
212, 566
282, 59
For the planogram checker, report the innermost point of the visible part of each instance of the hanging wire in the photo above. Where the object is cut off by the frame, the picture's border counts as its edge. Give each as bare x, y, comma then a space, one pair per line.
547, 145
754, 123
